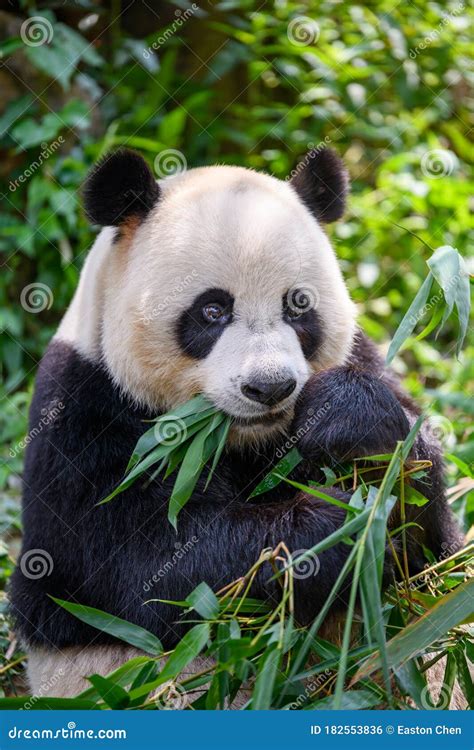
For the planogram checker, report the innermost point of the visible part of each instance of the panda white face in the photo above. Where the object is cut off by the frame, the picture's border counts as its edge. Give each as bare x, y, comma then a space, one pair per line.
228, 287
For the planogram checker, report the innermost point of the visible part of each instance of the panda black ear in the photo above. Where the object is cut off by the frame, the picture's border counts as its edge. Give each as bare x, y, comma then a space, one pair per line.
322, 183
121, 186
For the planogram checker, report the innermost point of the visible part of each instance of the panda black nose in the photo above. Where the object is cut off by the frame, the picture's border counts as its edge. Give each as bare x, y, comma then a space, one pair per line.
269, 392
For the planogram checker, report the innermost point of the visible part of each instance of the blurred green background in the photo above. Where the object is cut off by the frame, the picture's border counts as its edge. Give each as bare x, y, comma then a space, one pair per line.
258, 84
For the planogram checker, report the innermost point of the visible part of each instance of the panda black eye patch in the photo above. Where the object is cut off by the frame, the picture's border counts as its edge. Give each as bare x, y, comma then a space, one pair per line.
204, 321
304, 320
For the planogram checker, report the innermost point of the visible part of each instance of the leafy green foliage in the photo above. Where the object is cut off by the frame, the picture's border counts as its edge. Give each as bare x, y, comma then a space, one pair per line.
187, 437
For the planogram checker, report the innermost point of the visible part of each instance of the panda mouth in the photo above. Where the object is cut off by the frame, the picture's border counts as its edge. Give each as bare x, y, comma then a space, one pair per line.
260, 419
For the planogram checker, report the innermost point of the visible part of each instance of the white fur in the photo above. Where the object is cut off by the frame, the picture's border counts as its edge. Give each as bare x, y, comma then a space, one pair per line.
62, 674
223, 227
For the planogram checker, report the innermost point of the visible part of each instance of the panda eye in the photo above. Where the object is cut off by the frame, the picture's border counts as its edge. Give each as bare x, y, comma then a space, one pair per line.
297, 302
215, 313
293, 314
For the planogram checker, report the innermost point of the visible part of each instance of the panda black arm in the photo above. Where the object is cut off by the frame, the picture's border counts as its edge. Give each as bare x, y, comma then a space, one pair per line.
361, 410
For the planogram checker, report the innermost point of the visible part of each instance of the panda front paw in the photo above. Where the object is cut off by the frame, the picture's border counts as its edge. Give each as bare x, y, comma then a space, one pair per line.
344, 413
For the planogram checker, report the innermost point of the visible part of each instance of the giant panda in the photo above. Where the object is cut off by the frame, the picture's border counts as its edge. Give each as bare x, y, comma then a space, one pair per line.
222, 281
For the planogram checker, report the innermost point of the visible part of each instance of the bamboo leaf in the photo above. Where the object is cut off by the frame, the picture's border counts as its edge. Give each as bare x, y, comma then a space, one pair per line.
410, 318
189, 647
450, 611
323, 496
196, 457
279, 471
125, 631
113, 695
221, 432
267, 671
204, 601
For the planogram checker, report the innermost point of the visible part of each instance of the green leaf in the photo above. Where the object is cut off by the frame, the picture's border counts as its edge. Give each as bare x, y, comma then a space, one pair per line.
352, 700
221, 434
464, 676
113, 695
323, 496
279, 471
189, 647
125, 631
410, 319
450, 611
196, 457
412, 682
122, 676
204, 601
268, 666
346, 530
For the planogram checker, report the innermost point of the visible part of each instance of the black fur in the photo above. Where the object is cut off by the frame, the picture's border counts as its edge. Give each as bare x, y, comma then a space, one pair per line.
121, 186
196, 335
309, 330
322, 184
363, 416
117, 556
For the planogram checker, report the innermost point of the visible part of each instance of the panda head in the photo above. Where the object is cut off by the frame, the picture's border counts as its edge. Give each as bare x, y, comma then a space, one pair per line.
222, 281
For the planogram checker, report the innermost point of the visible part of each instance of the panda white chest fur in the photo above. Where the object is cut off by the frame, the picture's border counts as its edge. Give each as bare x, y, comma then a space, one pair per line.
219, 281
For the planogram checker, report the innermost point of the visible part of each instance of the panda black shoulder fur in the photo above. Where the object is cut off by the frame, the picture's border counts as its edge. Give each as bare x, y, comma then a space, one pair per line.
222, 281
